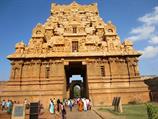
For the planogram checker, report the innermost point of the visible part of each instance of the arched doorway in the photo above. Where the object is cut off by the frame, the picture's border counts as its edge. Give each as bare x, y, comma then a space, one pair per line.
76, 68
76, 89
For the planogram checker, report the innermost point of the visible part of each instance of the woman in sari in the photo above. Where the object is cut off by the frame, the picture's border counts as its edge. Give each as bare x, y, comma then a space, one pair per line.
80, 105
51, 109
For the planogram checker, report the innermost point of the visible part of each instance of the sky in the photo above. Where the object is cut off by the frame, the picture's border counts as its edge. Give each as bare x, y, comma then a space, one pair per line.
136, 20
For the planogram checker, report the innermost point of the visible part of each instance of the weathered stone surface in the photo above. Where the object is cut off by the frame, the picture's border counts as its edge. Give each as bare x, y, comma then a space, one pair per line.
75, 40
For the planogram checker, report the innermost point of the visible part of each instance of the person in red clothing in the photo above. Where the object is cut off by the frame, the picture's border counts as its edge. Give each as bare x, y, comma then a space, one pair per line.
80, 105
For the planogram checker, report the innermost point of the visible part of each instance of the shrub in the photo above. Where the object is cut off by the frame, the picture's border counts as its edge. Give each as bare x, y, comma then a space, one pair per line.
152, 111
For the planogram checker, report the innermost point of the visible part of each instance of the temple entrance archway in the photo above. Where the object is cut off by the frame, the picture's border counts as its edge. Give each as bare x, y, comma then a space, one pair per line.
76, 89
76, 68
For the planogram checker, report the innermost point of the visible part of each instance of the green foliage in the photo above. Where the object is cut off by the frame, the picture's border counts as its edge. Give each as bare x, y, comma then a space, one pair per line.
76, 92
152, 111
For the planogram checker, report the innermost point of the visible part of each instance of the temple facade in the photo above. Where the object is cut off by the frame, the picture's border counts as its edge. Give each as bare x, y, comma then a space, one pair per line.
75, 40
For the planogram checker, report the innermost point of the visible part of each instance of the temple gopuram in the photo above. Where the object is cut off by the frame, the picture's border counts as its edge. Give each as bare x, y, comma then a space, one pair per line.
75, 40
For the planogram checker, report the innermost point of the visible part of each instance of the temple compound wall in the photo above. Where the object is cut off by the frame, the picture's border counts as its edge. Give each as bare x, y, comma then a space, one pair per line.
75, 41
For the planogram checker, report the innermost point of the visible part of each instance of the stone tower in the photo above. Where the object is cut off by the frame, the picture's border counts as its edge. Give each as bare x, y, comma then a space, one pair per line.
75, 40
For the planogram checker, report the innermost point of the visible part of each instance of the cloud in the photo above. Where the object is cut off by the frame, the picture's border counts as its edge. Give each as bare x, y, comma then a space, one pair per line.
142, 33
150, 52
147, 31
150, 18
154, 40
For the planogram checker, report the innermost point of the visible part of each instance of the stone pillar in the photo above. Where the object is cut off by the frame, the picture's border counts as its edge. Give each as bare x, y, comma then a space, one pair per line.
38, 71
17, 71
33, 70
51, 70
65, 63
129, 75
46, 70
131, 70
61, 73
124, 70
107, 68
21, 63
42, 72
110, 70
136, 68
12, 77
26, 69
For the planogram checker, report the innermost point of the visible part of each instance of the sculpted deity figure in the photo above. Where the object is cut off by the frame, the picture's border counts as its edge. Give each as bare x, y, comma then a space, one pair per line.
45, 48
59, 29
89, 30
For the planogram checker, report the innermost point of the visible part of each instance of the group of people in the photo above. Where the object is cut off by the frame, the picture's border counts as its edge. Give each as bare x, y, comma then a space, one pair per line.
57, 107
83, 104
6, 106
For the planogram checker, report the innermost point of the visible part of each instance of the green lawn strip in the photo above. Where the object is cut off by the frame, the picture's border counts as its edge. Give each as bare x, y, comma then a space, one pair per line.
129, 111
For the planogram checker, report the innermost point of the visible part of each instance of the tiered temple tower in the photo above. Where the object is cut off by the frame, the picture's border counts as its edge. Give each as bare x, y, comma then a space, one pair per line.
75, 40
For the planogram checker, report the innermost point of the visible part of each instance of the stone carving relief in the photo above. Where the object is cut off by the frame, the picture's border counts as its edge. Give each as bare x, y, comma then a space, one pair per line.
81, 22
59, 30
90, 30
38, 31
48, 34
110, 29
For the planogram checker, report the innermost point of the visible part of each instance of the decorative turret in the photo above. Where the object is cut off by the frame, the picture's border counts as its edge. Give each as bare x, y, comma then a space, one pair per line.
128, 45
38, 31
20, 46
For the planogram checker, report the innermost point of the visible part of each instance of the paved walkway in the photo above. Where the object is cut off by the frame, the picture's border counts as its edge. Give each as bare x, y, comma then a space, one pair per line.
70, 115
81, 115
107, 115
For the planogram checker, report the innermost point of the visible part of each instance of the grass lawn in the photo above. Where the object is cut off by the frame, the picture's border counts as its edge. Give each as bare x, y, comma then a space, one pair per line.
129, 111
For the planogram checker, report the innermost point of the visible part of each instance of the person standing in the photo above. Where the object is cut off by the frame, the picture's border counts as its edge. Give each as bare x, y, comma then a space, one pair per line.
84, 104
58, 105
63, 112
70, 105
26, 103
10, 106
87, 102
55, 102
80, 105
7, 104
51, 108
57, 114
90, 104
3, 105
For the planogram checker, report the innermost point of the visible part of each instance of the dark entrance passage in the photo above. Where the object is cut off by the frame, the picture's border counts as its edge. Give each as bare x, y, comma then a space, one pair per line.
76, 68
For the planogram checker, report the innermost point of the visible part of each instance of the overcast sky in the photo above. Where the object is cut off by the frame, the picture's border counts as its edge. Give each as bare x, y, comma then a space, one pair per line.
135, 19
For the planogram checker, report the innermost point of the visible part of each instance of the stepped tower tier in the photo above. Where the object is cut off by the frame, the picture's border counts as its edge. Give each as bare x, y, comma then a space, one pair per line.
74, 29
